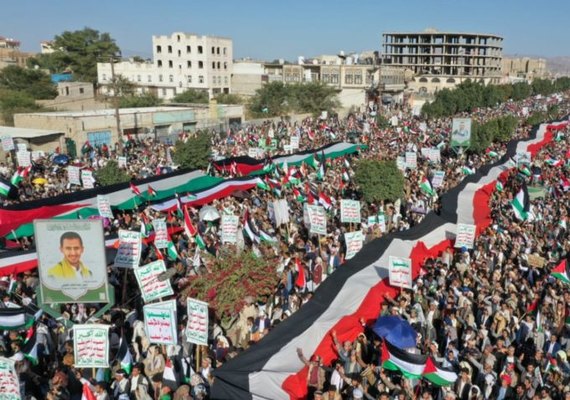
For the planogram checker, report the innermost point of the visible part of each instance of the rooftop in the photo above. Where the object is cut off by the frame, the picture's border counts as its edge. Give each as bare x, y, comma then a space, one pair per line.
26, 133
109, 112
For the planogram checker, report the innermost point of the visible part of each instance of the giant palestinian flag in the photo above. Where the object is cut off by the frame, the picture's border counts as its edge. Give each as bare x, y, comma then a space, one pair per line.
247, 165
272, 370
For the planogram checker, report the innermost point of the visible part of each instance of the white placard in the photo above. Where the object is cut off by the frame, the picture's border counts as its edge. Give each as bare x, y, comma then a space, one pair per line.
36, 155
465, 236
122, 161
523, 158
350, 211
423, 127
394, 121
8, 143
197, 326
129, 252
433, 154
437, 180
281, 212
74, 175
400, 272
411, 159
294, 142
253, 152
401, 163
153, 288
104, 206
382, 222
21, 147
9, 380
230, 228
287, 148
160, 233
318, 219
87, 179
160, 322
354, 241
91, 346
24, 158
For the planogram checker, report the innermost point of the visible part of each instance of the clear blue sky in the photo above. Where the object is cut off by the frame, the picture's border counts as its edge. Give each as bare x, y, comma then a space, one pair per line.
272, 29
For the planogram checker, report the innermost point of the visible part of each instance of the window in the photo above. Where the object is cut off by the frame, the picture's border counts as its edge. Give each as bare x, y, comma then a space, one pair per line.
179, 53
159, 49
169, 63
160, 78
189, 78
368, 79
435, 80
178, 37
188, 64
225, 80
200, 64
200, 50
423, 80
213, 80
188, 49
224, 51
213, 65
170, 49
219, 65
179, 84
159, 63
349, 79
213, 50
104, 77
138, 78
450, 80
81, 90
149, 78
201, 79
225, 65
217, 50
67, 90
163, 91
219, 80
170, 78
358, 79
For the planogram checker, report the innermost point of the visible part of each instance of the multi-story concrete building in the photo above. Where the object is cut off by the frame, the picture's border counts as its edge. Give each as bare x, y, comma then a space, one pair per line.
10, 53
181, 61
444, 59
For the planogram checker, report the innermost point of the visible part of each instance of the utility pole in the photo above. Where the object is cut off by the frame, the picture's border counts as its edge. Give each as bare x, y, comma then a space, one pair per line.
116, 99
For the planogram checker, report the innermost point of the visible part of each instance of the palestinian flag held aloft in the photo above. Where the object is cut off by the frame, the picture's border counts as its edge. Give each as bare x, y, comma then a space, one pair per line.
124, 356
521, 204
325, 200
191, 231
135, 189
87, 393
437, 375
561, 272
248, 228
20, 175
15, 318
266, 237
425, 185
7, 189
151, 192
30, 349
395, 359
172, 251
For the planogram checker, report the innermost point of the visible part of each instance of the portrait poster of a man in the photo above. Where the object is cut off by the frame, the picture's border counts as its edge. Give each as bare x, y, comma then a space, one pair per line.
461, 132
70, 270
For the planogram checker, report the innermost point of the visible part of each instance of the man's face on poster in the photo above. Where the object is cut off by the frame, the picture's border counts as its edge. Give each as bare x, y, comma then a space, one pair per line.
72, 250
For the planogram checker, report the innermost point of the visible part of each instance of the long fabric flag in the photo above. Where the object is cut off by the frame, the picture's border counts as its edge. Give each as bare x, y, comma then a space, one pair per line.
357, 290
395, 359
14, 318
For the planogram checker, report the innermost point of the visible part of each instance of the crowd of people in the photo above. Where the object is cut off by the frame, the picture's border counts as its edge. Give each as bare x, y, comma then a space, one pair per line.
475, 310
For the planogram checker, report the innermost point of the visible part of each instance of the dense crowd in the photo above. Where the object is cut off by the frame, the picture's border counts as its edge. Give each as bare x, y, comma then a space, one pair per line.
475, 310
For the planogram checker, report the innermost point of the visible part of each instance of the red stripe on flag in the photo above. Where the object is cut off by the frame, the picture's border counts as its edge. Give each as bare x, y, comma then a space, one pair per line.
10, 220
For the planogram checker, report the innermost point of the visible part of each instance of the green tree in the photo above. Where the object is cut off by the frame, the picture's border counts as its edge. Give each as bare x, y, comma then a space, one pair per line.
34, 83
146, 99
79, 51
229, 98
192, 96
13, 102
194, 153
379, 180
111, 174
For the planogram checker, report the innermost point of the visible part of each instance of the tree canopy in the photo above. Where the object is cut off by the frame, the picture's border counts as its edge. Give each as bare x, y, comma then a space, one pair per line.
276, 99
13, 102
379, 180
192, 96
229, 98
194, 153
146, 99
111, 174
34, 83
78, 51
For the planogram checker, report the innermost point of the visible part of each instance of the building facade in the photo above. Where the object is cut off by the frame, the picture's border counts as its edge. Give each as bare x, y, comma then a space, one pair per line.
444, 59
10, 53
181, 61
524, 67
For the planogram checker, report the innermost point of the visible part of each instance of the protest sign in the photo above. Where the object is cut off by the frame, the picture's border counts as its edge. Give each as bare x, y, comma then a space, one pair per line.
91, 346
151, 287
197, 326
287, 148
318, 220
281, 212
160, 322
411, 159
160, 233
400, 272
21, 147
432, 153
230, 228
437, 180
536, 261
354, 241
465, 236
253, 152
8, 143
523, 158
9, 381
382, 222
461, 132
104, 206
60, 245
350, 211
87, 179
73, 175
23, 158
129, 251
401, 163
122, 161
294, 142
423, 127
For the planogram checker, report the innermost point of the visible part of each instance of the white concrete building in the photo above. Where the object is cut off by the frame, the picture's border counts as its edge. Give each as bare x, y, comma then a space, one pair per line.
181, 61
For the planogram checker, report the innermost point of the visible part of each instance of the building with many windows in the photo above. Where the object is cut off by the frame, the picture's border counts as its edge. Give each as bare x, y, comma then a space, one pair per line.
524, 68
444, 59
180, 61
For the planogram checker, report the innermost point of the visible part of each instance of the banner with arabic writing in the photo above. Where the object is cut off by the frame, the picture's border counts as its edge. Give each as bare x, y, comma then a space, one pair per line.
9, 380
197, 326
160, 322
151, 287
91, 346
